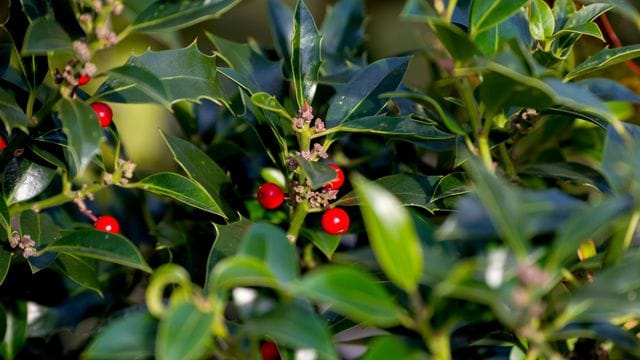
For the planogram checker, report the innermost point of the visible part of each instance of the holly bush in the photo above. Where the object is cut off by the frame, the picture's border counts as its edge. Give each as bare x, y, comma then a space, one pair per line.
320, 203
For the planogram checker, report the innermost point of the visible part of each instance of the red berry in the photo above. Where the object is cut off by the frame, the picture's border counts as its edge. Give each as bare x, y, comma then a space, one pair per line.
270, 196
104, 113
269, 351
338, 181
3, 143
83, 80
335, 221
107, 223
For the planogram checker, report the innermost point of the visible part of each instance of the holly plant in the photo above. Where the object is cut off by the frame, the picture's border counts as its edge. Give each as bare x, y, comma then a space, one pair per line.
476, 197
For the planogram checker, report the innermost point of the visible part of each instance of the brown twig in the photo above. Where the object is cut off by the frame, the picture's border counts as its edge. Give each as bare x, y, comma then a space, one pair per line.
614, 41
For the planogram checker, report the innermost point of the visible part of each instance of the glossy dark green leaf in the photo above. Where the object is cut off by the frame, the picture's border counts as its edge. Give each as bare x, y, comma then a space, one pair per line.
569, 171
5, 264
134, 76
82, 270
324, 242
396, 126
100, 245
262, 73
391, 232
269, 102
305, 54
11, 113
269, 243
488, 13
343, 33
128, 337
541, 20
82, 128
280, 16
387, 347
179, 188
24, 180
184, 333
201, 168
562, 10
275, 144
454, 39
361, 96
165, 15
319, 174
626, 8
587, 14
352, 292
226, 244
44, 35
15, 334
451, 185
584, 224
450, 122
524, 90
604, 59
491, 41
294, 326
241, 271
410, 190
185, 74
609, 90
589, 29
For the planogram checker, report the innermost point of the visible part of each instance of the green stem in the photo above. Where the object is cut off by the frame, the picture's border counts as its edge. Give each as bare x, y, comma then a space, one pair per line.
437, 342
475, 117
53, 201
305, 139
509, 169
619, 245
30, 102
450, 9
297, 219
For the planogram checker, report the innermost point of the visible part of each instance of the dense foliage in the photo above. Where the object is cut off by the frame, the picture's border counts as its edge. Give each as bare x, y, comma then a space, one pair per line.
323, 206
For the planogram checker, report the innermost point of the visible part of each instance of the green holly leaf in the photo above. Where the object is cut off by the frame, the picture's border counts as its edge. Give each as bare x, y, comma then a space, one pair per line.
165, 77
166, 15
305, 54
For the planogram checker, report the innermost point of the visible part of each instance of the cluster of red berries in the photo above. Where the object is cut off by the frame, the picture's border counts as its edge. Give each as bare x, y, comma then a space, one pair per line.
102, 110
335, 221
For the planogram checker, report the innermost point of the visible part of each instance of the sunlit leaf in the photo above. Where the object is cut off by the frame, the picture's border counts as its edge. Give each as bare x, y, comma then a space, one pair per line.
164, 15
361, 96
45, 35
179, 188
184, 333
294, 326
353, 292
305, 54
488, 13
163, 79
604, 59
128, 337
391, 233
82, 128
24, 180
100, 245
